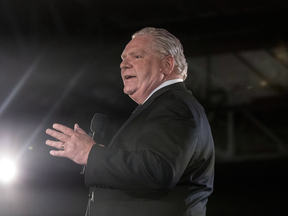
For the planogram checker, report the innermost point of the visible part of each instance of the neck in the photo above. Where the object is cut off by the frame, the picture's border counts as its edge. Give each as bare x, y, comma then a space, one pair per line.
144, 96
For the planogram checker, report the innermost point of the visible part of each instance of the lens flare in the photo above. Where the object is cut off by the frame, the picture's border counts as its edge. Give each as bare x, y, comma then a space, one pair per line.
7, 170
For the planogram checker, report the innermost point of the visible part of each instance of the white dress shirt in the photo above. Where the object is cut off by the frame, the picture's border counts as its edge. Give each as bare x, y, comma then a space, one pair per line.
169, 82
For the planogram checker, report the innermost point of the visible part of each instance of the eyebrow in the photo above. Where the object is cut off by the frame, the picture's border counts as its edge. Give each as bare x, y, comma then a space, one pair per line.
133, 53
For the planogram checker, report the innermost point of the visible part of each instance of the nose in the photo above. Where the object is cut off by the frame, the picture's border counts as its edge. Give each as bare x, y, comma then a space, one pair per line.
125, 64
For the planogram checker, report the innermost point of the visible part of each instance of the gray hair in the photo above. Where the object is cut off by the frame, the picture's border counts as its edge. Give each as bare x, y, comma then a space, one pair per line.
165, 44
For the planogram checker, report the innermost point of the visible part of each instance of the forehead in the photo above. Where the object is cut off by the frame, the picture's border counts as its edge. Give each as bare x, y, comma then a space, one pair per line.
138, 43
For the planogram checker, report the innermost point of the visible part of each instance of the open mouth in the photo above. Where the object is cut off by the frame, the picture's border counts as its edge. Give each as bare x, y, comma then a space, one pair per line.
128, 77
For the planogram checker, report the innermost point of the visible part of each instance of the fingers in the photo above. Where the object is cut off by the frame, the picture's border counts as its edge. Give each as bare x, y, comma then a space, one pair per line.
60, 136
55, 144
64, 129
58, 153
64, 136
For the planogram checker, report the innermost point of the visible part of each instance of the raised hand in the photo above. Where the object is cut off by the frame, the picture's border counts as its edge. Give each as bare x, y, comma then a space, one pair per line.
73, 144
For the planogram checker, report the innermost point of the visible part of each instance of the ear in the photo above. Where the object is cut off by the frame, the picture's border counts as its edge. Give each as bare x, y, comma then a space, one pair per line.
167, 64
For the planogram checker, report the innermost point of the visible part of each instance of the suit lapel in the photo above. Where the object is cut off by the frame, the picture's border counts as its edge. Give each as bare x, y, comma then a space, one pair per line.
145, 105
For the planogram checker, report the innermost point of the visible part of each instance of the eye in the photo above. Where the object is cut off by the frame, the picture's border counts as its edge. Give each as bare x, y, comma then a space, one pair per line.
137, 56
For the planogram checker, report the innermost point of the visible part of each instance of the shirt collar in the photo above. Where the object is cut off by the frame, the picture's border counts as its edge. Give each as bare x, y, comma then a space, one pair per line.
166, 83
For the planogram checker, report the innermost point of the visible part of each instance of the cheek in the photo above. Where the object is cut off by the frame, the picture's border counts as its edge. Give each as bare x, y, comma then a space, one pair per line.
146, 70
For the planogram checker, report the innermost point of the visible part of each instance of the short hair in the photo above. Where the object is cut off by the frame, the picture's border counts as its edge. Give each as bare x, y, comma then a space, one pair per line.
165, 44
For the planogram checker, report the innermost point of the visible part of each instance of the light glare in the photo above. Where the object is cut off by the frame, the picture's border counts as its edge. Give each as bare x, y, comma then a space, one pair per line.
7, 170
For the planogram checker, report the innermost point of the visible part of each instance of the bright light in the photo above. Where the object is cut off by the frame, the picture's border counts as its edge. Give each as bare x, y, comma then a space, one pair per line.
7, 170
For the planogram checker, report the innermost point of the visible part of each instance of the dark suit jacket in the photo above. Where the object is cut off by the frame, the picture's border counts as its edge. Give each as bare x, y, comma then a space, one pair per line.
159, 163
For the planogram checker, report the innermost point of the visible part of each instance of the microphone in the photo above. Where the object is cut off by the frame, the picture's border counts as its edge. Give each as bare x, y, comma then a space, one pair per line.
98, 126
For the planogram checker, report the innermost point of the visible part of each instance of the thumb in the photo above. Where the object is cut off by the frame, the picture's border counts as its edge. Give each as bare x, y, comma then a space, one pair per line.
78, 129
76, 126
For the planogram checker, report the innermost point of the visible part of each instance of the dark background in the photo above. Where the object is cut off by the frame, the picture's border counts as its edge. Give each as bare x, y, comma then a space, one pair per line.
59, 62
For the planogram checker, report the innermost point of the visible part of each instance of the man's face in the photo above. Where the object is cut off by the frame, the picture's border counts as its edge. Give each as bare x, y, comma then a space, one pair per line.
140, 68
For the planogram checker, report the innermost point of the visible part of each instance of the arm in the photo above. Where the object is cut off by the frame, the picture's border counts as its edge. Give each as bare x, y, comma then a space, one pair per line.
164, 146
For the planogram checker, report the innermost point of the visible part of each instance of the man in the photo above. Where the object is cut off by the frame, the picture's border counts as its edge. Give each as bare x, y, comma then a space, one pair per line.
161, 161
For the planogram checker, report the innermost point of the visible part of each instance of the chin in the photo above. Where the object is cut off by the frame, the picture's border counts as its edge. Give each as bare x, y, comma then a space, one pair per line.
129, 91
